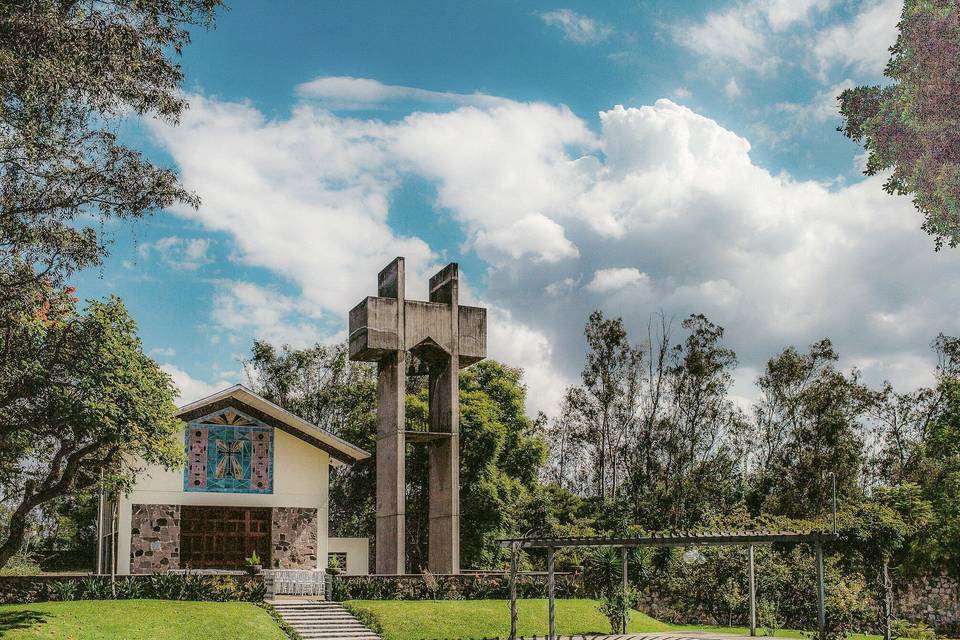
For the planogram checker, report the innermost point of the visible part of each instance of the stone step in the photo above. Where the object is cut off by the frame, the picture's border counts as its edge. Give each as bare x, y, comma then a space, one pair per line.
299, 613
323, 621
333, 623
338, 632
352, 636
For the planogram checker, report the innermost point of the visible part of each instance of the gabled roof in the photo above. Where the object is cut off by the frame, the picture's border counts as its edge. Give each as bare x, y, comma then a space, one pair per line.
262, 409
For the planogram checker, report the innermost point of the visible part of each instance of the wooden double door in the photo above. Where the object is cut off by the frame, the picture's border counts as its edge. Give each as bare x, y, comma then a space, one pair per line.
223, 537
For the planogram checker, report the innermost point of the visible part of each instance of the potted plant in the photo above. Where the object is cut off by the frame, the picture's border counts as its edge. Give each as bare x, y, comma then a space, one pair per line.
253, 564
333, 566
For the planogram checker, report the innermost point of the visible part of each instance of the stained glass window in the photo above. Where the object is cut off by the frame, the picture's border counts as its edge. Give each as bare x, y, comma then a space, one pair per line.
229, 452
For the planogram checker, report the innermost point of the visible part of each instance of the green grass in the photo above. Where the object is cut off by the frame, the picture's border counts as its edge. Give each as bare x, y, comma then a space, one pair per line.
415, 620
137, 620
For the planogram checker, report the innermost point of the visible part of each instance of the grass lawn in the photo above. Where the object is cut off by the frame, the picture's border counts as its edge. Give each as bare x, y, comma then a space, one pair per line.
137, 620
415, 620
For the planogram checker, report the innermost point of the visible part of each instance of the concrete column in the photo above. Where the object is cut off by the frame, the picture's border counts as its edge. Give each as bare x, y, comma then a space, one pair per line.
444, 551
391, 442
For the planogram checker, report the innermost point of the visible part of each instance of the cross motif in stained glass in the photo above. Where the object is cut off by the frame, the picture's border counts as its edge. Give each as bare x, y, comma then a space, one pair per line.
229, 459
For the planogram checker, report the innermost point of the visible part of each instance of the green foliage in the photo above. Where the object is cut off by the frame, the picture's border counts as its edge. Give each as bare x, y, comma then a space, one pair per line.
616, 604
808, 427
656, 421
83, 400
463, 587
253, 560
911, 124
130, 588
22, 563
768, 616
603, 570
913, 630
63, 590
69, 73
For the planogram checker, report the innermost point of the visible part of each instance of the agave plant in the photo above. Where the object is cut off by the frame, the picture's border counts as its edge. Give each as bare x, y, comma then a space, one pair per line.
63, 590
95, 589
129, 588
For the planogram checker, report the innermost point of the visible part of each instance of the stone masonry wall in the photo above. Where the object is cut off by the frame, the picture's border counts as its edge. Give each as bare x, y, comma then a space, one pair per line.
154, 538
934, 600
294, 538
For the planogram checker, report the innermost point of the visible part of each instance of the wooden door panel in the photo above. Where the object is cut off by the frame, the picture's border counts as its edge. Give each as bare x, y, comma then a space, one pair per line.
223, 537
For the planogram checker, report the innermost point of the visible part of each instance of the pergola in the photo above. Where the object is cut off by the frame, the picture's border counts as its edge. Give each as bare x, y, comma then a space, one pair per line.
748, 539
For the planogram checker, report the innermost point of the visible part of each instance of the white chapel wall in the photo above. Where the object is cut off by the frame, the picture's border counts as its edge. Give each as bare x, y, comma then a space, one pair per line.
300, 479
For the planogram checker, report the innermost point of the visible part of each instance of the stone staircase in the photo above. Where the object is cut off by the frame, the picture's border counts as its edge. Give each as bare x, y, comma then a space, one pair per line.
317, 619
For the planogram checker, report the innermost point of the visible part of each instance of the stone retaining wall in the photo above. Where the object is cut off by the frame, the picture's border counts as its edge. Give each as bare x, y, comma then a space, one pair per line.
934, 600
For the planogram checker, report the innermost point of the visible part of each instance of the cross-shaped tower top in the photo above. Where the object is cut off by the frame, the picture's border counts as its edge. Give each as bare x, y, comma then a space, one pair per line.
444, 336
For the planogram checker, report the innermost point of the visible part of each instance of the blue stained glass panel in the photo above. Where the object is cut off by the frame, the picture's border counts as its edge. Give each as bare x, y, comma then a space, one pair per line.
239, 457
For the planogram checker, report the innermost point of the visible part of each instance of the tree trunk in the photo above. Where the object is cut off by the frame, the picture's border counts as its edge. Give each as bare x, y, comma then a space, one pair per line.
16, 532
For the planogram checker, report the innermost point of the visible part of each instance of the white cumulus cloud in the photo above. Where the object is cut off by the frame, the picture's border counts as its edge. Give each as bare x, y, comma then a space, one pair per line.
861, 43
578, 28
543, 200
185, 254
605, 280
345, 92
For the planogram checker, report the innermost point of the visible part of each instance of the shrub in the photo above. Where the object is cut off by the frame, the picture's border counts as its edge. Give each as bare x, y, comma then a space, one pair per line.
63, 590
129, 589
93, 588
616, 605
21, 564
768, 614
467, 587
913, 630
431, 584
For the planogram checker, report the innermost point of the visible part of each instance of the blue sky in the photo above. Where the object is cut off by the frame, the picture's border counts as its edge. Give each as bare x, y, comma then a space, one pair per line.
638, 157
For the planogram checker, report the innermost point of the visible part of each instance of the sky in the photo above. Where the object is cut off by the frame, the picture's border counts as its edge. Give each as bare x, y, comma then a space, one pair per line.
637, 157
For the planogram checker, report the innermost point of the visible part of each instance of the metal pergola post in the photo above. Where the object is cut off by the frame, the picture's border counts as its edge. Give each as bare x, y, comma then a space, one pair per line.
821, 594
514, 552
753, 594
551, 594
626, 581
100, 508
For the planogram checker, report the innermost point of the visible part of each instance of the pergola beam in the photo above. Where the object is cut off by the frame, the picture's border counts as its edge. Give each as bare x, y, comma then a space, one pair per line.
675, 540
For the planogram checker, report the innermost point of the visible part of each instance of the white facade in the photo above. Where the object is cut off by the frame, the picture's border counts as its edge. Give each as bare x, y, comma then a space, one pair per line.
301, 458
356, 552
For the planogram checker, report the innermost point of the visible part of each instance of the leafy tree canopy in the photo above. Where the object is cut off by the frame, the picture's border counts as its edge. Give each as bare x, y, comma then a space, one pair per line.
69, 70
79, 397
912, 125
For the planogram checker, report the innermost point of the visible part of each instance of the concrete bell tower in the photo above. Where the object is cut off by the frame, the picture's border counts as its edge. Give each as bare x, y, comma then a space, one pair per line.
443, 337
